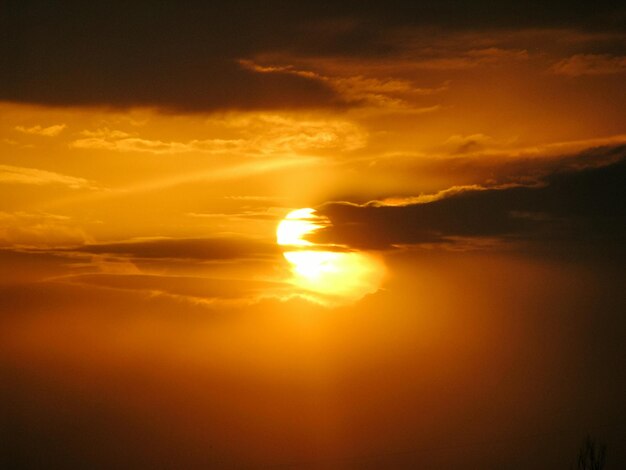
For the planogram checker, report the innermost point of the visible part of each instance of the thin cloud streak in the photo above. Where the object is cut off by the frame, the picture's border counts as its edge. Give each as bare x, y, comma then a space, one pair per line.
590, 64
50, 131
34, 176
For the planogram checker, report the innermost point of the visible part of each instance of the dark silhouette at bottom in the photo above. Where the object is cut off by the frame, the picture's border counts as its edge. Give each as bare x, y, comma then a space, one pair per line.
592, 455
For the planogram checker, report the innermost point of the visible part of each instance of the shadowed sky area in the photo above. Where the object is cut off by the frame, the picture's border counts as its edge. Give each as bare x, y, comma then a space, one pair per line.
447, 288
186, 57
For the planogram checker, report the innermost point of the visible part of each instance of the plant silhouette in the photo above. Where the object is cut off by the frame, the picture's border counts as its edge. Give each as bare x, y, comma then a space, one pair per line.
591, 455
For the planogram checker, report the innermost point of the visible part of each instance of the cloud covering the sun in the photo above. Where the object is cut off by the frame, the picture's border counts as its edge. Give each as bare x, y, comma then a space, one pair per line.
580, 203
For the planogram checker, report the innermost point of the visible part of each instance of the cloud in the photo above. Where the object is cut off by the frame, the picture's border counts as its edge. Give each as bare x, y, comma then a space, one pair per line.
201, 271
462, 144
179, 56
39, 230
483, 146
590, 64
268, 213
276, 133
257, 134
391, 82
584, 203
34, 176
157, 147
192, 249
53, 248
192, 288
20, 265
171, 57
470, 59
50, 131
358, 90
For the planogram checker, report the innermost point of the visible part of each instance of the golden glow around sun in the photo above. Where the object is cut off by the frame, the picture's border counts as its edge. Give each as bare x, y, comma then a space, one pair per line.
331, 276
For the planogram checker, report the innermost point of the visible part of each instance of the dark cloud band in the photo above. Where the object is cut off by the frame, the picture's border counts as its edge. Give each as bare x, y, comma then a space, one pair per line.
587, 203
183, 56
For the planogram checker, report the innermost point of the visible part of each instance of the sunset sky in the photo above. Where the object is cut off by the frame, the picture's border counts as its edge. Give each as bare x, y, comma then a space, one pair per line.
312, 235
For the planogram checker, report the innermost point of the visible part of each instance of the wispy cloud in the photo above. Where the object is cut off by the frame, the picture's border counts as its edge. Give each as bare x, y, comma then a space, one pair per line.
50, 131
480, 145
267, 213
590, 64
198, 249
120, 141
470, 59
34, 176
256, 134
387, 92
39, 230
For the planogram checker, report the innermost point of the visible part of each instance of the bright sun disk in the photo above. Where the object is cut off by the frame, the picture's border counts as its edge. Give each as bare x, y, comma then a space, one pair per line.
337, 276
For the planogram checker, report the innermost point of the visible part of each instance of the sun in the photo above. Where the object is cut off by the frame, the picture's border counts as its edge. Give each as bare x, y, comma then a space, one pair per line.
297, 224
332, 274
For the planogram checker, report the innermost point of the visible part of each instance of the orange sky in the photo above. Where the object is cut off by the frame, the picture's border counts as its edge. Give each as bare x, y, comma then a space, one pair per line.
468, 180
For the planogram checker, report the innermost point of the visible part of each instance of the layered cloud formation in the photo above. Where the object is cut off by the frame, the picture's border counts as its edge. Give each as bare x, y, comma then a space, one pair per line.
189, 57
581, 202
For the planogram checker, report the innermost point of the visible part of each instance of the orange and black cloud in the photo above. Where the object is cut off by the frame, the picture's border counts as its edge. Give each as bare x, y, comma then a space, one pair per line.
188, 57
580, 202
